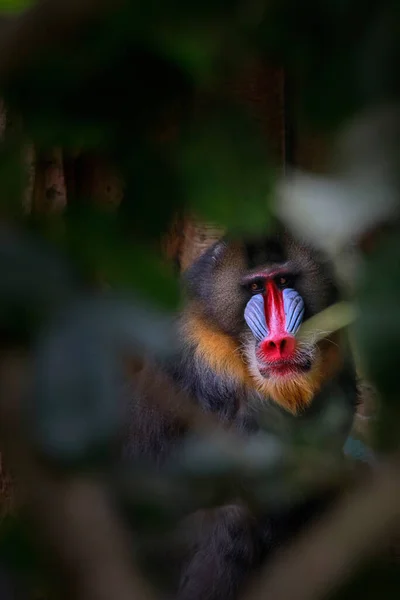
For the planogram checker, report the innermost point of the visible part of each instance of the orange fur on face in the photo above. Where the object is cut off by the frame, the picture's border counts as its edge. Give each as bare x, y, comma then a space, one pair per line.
222, 353
295, 393
219, 350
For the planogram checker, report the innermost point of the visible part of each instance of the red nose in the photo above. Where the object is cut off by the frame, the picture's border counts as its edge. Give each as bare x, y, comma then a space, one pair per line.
278, 348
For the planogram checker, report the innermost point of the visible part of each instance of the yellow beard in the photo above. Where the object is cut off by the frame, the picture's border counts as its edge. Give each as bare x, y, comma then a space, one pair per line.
294, 392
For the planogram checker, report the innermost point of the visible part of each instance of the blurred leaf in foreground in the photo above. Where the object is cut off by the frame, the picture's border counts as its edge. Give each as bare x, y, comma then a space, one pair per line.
377, 332
342, 57
101, 242
36, 281
226, 172
15, 6
79, 392
360, 192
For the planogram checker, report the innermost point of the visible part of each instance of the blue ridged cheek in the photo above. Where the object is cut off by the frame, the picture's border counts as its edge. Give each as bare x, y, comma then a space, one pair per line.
293, 305
254, 316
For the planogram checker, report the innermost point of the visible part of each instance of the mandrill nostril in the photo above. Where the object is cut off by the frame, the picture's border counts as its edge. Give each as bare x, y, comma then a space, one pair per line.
279, 348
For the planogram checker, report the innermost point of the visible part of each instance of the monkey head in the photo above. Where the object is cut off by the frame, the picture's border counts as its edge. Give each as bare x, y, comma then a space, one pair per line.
248, 301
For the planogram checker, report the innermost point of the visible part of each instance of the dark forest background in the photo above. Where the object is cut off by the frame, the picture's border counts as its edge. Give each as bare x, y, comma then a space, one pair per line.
133, 134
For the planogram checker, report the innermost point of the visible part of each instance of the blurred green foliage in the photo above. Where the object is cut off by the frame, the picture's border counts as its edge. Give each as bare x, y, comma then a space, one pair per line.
114, 88
14, 6
378, 332
344, 54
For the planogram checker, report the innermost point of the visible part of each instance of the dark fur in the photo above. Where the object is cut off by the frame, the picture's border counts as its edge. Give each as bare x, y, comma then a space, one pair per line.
215, 278
230, 543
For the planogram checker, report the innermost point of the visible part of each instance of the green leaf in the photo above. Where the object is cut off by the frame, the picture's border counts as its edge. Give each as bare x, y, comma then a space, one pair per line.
332, 49
14, 6
226, 172
98, 244
377, 331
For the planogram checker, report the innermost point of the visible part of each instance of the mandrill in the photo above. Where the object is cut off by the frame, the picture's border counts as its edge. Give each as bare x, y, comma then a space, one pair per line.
240, 359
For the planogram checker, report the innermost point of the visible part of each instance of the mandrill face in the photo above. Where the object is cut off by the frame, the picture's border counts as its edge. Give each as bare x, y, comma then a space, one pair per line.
259, 293
274, 315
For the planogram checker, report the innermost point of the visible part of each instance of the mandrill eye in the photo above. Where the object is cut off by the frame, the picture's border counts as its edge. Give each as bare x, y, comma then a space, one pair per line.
283, 281
256, 287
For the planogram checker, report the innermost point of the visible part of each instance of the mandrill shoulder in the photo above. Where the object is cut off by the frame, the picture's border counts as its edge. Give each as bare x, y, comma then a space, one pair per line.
208, 366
